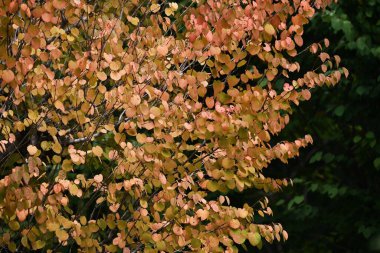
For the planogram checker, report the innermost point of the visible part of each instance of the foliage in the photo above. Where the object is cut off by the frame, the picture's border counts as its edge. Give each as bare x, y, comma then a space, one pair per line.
336, 193
124, 124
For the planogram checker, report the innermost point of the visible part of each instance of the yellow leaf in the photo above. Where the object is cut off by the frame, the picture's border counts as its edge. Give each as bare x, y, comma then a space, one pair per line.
173, 6
269, 29
155, 111
59, 105
97, 151
241, 63
56, 147
196, 243
143, 203
254, 238
14, 225
62, 235
159, 206
168, 11
73, 189
227, 163
56, 159
24, 242
38, 244
161, 246
52, 226
67, 165
83, 220
154, 8
45, 145
33, 115
212, 186
133, 20
70, 38
101, 223
75, 32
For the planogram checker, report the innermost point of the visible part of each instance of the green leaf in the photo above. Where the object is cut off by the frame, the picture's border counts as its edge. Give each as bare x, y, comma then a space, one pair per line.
299, 199
224, 98
314, 187
361, 90
332, 191
212, 186
357, 138
254, 238
263, 83
196, 243
161, 245
14, 225
102, 223
316, 157
370, 135
339, 111
376, 163
24, 242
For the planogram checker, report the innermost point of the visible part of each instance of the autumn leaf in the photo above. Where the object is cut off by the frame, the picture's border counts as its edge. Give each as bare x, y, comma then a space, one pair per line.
232, 81
162, 50
32, 150
98, 178
97, 151
59, 105
254, 238
133, 20
269, 29
154, 8
101, 75
7, 76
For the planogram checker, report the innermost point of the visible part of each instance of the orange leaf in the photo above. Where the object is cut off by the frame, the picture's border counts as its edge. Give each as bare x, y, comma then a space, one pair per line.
7, 76
32, 150
162, 50
232, 80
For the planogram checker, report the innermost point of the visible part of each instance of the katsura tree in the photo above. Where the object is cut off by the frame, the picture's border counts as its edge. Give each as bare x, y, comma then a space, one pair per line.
126, 124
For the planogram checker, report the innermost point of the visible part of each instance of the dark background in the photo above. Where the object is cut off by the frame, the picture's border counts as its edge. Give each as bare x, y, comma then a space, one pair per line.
334, 205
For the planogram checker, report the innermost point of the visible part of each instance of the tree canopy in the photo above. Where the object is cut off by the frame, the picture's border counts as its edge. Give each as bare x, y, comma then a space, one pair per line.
125, 125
